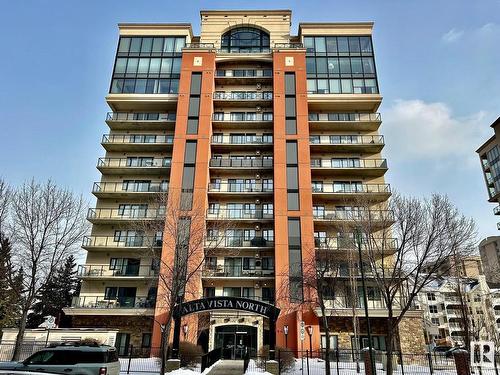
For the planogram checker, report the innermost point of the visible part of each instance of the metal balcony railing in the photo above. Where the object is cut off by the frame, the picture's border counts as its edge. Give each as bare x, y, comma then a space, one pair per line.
351, 188
137, 139
227, 139
345, 117
348, 163
125, 214
235, 271
341, 243
130, 187
121, 241
234, 187
243, 95
140, 116
244, 73
347, 302
106, 302
105, 270
238, 241
241, 163
240, 214
199, 46
362, 215
135, 163
346, 140
244, 50
242, 117
288, 46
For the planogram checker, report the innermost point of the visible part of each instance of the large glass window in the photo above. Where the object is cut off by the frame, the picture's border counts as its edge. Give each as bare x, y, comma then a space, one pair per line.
245, 40
147, 65
340, 65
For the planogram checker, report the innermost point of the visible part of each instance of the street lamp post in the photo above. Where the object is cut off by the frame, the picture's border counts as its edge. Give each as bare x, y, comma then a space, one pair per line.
285, 331
365, 300
310, 332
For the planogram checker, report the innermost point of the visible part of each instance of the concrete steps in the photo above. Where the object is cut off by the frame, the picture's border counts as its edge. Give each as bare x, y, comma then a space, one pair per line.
227, 367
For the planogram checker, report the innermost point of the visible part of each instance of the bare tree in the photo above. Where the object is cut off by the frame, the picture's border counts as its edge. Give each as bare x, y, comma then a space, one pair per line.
187, 239
5, 198
426, 232
46, 224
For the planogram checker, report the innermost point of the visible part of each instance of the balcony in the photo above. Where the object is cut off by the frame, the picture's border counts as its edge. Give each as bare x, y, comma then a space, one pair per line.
228, 142
347, 143
141, 121
243, 76
376, 218
128, 189
349, 167
288, 46
238, 242
123, 166
126, 272
367, 102
243, 120
230, 271
121, 243
236, 165
116, 215
237, 214
347, 121
383, 245
374, 192
343, 306
256, 187
102, 305
239, 98
137, 142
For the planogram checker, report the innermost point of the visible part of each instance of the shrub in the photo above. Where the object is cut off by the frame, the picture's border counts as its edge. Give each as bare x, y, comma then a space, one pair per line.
190, 354
286, 357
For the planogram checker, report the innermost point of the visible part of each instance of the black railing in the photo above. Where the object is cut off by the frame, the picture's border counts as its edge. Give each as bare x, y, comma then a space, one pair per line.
140, 116
241, 163
210, 358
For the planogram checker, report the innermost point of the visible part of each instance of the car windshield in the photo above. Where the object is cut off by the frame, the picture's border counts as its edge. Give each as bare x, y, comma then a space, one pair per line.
40, 358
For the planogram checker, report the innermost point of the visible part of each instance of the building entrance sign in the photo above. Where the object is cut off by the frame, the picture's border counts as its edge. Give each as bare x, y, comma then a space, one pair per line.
225, 303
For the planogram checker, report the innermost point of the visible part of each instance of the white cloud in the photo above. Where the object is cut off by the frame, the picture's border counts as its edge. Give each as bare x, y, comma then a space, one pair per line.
420, 131
452, 35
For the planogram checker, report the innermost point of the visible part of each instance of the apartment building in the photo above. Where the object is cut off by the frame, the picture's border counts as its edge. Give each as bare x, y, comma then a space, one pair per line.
442, 301
489, 155
274, 133
489, 248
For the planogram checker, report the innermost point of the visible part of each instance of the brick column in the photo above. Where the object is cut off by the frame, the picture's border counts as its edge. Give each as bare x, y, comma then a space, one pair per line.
462, 361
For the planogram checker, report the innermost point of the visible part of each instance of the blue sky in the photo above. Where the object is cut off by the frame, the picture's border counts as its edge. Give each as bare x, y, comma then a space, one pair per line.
437, 63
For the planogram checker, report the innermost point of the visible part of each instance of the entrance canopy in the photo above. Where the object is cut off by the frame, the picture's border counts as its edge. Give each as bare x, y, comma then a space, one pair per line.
227, 303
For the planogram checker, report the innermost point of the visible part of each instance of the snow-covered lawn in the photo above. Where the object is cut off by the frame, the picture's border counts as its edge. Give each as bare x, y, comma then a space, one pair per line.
152, 366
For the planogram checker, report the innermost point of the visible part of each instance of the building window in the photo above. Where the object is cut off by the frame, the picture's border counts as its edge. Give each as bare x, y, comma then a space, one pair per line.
146, 65
431, 296
245, 40
340, 65
146, 340
433, 309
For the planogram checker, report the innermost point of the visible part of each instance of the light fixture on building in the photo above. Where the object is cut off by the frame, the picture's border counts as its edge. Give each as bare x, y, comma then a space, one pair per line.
285, 331
185, 329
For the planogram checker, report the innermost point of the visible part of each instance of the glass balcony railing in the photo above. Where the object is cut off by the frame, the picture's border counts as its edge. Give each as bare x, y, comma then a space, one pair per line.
345, 117
244, 73
349, 163
137, 116
240, 95
130, 187
351, 188
227, 139
235, 187
358, 140
241, 163
137, 139
121, 241
238, 241
125, 214
235, 271
362, 215
107, 302
105, 270
135, 163
245, 50
240, 214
